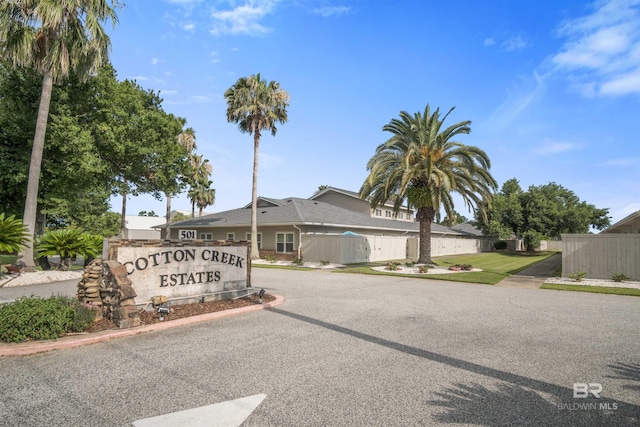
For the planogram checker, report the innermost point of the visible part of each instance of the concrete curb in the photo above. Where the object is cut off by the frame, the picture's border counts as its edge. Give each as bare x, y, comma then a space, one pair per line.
70, 341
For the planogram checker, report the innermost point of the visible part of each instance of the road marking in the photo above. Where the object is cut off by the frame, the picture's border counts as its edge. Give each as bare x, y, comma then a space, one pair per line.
231, 413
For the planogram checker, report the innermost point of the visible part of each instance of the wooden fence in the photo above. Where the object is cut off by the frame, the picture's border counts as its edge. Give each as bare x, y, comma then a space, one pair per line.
599, 255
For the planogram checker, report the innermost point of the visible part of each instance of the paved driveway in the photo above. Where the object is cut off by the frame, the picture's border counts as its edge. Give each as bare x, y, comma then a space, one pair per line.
357, 350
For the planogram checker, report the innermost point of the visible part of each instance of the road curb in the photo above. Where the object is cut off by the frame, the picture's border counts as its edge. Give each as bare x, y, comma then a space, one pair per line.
71, 341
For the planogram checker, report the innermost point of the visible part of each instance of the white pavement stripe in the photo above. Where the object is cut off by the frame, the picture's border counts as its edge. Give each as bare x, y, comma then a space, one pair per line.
224, 414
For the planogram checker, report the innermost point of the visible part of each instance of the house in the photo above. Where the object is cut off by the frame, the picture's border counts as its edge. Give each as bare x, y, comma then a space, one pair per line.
629, 224
294, 226
142, 227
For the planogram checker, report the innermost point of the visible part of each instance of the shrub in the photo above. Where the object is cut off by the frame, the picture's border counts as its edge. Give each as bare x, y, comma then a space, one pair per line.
531, 240
500, 244
31, 318
68, 243
619, 277
325, 262
298, 261
423, 269
270, 258
578, 276
409, 263
393, 266
13, 234
461, 267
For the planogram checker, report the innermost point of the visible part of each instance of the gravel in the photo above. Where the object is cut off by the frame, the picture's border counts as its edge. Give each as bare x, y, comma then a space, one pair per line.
38, 278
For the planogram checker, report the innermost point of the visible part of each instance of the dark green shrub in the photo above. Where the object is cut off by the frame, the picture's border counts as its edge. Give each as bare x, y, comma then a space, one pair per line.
578, 276
500, 244
13, 234
298, 261
32, 318
619, 277
531, 240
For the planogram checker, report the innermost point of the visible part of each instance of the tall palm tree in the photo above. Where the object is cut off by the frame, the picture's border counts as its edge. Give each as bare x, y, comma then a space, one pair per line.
56, 38
255, 105
200, 172
186, 140
421, 164
203, 195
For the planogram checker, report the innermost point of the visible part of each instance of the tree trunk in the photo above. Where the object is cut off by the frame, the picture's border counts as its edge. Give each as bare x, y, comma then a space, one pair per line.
31, 202
168, 222
193, 209
425, 217
199, 211
255, 252
123, 220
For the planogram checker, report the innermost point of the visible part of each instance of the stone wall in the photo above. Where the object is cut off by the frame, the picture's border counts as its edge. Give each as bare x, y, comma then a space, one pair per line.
105, 285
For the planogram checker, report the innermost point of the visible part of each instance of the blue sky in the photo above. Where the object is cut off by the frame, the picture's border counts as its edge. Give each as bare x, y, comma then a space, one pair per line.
552, 88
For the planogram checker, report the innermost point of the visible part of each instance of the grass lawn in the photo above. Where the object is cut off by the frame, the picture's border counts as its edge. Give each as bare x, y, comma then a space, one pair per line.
594, 289
495, 265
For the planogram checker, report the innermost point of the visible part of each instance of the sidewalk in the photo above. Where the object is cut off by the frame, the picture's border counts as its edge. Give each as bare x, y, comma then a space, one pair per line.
533, 277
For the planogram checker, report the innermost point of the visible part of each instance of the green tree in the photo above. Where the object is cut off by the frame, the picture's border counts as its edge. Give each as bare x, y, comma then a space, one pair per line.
54, 38
256, 106
547, 211
421, 164
136, 140
452, 219
187, 141
73, 186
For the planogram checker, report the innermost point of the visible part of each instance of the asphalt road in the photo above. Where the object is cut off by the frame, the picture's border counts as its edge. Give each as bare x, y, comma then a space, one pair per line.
356, 350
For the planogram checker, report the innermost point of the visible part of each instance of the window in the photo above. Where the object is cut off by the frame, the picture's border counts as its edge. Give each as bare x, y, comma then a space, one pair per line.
378, 212
387, 214
259, 239
231, 236
284, 242
206, 236
401, 215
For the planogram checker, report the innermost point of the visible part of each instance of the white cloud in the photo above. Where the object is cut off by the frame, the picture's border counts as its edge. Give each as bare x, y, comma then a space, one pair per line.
623, 162
513, 43
518, 100
198, 99
550, 147
189, 26
602, 49
489, 41
332, 11
155, 61
214, 57
242, 19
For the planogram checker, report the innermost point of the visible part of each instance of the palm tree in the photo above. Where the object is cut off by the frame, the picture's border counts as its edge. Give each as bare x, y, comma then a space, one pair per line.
203, 196
186, 140
422, 165
255, 105
55, 38
199, 176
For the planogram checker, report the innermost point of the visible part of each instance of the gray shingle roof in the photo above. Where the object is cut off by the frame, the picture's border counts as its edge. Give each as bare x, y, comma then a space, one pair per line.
305, 212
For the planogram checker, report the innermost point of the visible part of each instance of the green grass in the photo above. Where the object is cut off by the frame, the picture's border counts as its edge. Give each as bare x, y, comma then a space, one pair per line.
281, 267
594, 289
495, 266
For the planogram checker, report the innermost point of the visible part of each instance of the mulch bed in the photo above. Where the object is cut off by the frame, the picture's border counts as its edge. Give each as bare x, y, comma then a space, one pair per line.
184, 310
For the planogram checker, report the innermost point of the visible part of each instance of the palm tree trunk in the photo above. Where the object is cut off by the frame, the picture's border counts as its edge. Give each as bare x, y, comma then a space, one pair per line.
255, 253
168, 222
199, 211
425, 217
193, 209
31, 201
